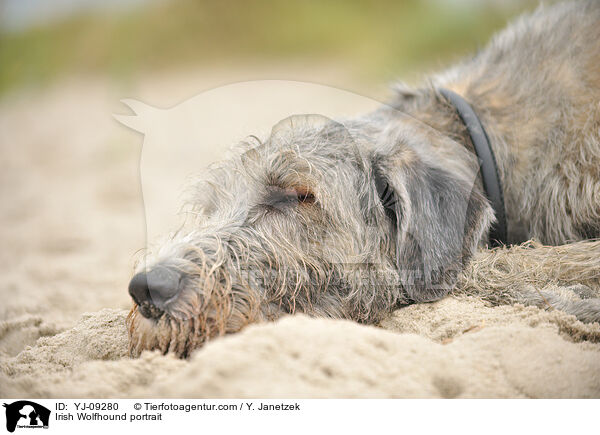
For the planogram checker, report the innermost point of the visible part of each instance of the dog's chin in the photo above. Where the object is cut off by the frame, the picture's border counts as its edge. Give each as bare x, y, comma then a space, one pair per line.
187, 322
164, 333
176, 332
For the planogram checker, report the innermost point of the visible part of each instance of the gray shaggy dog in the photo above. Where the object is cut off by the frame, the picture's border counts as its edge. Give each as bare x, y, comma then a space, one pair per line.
354, 218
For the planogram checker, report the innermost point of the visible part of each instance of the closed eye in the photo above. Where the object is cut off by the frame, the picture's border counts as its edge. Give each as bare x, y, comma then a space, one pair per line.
279, 198
305, 196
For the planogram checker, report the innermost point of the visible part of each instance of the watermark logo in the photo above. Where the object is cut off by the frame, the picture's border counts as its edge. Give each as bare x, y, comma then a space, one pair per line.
24, 414
181, 142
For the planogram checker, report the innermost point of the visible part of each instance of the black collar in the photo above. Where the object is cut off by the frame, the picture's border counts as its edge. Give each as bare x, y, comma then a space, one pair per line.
487, 163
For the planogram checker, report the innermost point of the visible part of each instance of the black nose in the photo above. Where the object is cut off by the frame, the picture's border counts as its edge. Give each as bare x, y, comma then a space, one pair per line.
154, 289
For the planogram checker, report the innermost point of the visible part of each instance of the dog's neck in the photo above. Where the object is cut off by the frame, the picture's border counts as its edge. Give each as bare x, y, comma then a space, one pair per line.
450, 114
431, 108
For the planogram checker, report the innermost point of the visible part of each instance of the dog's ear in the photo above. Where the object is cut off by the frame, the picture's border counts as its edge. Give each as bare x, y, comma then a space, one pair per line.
438, 219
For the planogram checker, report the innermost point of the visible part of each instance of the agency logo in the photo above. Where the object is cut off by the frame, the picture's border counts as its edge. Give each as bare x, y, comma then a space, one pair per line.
24, 414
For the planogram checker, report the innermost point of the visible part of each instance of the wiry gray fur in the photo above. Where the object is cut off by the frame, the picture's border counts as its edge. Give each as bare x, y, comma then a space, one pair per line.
295, 223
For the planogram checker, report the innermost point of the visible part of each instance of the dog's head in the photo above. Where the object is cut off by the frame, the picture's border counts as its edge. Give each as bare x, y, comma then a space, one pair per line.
334, 219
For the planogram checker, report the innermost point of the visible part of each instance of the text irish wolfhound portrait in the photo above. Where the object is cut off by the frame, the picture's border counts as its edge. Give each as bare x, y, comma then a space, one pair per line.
352, 218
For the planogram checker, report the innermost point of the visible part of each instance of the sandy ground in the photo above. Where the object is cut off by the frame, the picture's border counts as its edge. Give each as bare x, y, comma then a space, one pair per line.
72, 221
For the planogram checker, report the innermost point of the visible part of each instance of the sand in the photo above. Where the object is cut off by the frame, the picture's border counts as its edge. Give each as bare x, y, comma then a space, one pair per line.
457, 347
72, 222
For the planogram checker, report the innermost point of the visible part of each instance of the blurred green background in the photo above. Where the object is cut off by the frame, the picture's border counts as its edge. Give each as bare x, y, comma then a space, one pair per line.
377, 39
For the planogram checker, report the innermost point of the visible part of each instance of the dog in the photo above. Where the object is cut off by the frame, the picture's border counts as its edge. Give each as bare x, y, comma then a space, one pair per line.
354, 218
